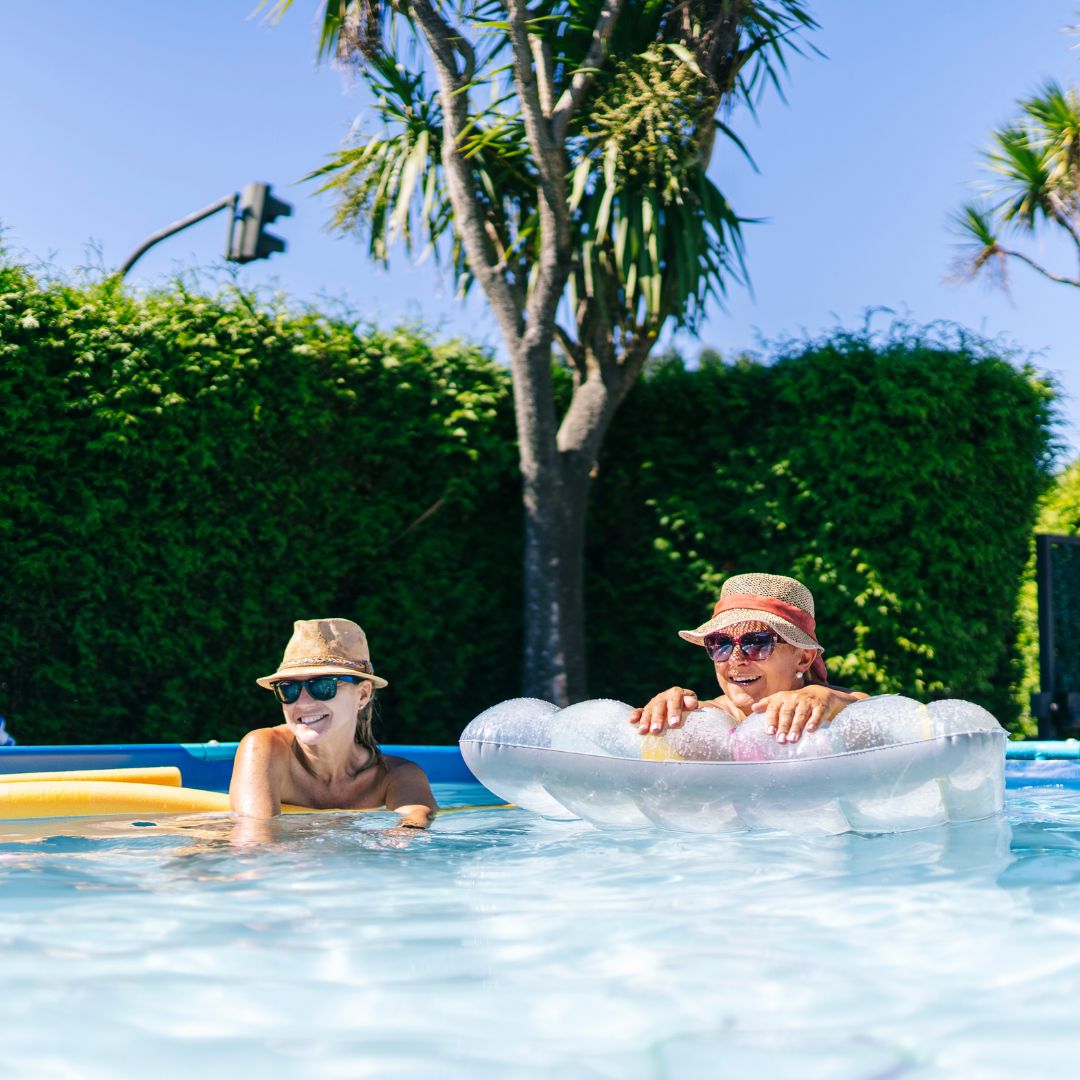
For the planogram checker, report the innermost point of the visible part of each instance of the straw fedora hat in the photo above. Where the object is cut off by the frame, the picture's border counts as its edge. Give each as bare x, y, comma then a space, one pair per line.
781, 603
324, 647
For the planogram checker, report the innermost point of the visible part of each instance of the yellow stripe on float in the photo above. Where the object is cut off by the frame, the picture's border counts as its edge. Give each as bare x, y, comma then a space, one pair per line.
655, 748
927, 721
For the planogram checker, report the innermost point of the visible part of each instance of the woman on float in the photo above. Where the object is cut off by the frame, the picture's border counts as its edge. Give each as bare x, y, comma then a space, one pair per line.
761, 640
324, 755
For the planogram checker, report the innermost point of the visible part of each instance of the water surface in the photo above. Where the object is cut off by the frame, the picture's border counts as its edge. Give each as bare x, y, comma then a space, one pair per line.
500, 945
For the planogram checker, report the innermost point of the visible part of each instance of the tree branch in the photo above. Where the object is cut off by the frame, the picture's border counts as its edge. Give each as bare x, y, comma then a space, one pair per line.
549, 159
545, 76
1061, 216
571, 98
446, 42
1040, 269
569, 346
555, 246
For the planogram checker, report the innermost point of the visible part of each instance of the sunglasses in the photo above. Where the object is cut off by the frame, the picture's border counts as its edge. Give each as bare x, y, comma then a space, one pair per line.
321, 688
756, 645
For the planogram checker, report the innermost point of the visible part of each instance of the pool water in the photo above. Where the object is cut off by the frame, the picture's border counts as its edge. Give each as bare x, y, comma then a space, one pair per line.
501, 945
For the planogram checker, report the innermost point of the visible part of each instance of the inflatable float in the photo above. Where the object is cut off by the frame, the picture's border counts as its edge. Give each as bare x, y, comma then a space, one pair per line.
887, 764
83, 792
146, 791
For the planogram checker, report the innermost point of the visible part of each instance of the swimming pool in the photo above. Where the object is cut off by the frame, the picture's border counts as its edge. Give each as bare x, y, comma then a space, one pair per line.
500, 945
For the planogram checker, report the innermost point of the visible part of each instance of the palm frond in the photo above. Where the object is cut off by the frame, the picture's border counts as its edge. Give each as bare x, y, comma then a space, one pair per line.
1053, 115
657, 239
1021, 161
979, 249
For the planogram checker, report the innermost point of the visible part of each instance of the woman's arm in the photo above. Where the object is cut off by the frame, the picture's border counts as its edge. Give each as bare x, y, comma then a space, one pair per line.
255, 786
408, 793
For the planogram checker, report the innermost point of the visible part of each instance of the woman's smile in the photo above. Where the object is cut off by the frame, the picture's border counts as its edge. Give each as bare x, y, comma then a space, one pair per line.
743, 680
313, 718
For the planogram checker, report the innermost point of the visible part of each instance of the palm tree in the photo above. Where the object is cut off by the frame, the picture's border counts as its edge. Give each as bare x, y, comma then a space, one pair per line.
1036, 164
559, 162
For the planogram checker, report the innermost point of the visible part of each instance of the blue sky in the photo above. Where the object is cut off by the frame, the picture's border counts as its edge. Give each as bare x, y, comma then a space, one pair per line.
123, 117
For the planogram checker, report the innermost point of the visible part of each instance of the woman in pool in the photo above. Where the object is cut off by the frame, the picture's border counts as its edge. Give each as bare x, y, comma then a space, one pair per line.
324, 755
762, 643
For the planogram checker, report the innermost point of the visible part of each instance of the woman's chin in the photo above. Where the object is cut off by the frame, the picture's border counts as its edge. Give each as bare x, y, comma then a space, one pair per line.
744, 697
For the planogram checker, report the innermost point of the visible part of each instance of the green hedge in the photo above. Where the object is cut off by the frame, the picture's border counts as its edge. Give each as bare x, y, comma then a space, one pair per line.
184, 475
1059, 514
897, 477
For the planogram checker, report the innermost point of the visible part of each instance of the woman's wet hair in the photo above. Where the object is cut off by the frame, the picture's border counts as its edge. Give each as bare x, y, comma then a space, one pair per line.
365, 723
365, 720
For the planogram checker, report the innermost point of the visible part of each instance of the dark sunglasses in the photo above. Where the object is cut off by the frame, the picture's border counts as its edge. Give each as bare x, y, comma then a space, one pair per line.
756, 645
321, 688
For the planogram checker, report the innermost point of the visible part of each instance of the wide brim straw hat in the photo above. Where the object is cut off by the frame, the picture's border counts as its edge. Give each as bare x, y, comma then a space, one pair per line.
325, 647
766, 598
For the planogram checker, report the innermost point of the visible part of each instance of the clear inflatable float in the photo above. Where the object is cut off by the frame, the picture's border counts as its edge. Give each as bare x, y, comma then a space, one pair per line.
887, 764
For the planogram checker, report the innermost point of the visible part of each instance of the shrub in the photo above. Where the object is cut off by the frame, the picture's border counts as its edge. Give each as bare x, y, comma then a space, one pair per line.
898, 478
1059, 514
185, 475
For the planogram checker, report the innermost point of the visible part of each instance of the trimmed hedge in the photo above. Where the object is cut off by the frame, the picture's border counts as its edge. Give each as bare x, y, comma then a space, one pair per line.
184, 475
896, 477
1059, 514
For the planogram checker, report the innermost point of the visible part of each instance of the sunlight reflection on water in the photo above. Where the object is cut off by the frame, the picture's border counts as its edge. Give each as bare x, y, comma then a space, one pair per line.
502, 945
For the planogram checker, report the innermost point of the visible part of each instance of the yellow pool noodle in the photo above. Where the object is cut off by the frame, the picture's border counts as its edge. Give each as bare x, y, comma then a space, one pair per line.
166, 775
76, 798
26, 795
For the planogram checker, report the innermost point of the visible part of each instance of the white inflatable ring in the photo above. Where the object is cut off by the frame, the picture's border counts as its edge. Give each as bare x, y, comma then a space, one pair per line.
888, 764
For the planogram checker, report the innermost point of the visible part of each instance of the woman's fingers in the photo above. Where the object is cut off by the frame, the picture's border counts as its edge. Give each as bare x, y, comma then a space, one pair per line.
816, 714
664, 711
800, 720
688, 703
786, 710
788, 713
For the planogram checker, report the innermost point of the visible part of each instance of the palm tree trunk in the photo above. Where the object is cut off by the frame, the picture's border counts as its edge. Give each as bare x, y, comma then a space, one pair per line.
556, 499
554, 600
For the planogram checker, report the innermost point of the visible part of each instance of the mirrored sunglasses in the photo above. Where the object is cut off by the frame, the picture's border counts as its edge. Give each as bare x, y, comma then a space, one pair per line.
321, 688
755, 645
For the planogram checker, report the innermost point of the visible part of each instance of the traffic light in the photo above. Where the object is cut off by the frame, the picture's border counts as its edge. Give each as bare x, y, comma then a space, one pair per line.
256, 210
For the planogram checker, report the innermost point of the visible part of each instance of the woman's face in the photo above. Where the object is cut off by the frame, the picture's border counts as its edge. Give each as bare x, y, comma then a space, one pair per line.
745, 681
313, 722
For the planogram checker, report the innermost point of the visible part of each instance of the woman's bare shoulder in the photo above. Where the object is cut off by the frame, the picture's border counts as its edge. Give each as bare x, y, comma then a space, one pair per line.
260, 772
266, 742
400, 764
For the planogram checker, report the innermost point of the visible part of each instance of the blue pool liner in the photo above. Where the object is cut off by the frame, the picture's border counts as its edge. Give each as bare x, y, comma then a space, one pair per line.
209, 765
201, 765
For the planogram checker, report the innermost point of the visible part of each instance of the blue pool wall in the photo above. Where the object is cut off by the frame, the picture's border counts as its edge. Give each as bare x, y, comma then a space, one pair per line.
201, 765
209, 765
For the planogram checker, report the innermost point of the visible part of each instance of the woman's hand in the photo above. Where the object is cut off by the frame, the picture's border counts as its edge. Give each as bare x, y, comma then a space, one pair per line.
789, 713
670, 707
408, 793
416, 816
